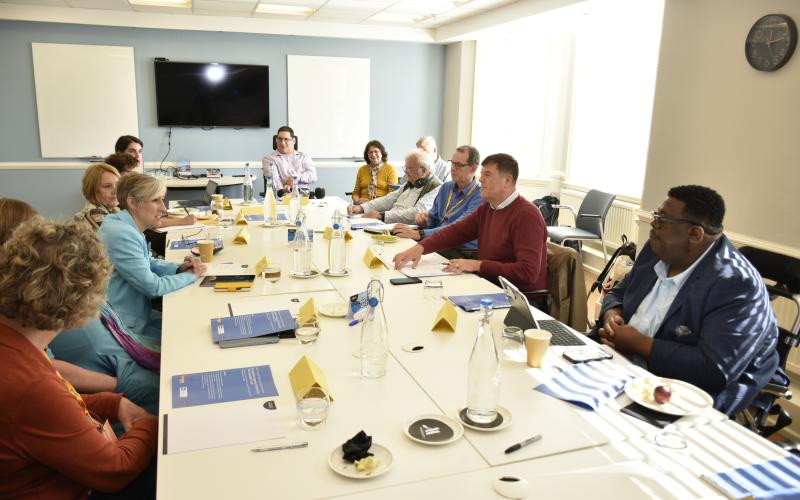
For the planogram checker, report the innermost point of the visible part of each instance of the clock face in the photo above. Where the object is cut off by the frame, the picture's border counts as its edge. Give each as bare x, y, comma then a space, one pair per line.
771, 42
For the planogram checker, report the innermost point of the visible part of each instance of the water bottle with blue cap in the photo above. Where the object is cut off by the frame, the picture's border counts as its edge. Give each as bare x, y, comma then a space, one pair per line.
374, 335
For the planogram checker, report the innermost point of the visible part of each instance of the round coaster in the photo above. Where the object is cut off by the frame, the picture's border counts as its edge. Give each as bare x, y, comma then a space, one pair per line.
336, 275
334, 310
502, 421
314, 274
433, 429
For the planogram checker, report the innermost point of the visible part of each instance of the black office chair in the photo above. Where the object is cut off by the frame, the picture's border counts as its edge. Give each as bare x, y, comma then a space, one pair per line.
589, 221
766, 416
274, 148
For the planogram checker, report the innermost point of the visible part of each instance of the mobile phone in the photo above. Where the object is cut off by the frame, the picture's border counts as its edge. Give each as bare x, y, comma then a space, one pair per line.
404, 281
585, 355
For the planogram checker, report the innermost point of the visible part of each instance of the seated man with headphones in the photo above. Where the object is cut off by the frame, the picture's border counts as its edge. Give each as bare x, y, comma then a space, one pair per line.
416, 196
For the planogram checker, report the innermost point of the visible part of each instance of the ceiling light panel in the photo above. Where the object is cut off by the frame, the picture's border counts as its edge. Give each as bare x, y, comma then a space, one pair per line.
284, 9
179, 4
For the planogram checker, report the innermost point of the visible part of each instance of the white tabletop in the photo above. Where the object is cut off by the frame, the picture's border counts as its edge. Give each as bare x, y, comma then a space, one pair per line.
602, 453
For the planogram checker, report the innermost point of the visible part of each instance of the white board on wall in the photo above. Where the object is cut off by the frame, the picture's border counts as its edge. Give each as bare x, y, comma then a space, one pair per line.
328, 104
85, 98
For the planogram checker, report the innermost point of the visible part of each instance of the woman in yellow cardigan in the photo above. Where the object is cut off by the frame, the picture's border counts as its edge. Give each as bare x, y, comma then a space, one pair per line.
374, 178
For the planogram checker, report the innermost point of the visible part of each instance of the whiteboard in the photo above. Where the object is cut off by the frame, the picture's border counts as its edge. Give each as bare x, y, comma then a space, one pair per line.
328, 104
85, 98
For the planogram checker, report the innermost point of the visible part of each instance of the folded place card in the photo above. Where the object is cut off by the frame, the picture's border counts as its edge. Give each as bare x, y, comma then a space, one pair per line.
306, 375
303, 200
307, 315
226, 204
251, 210
242, 237
240, 219
371, 260
262, 263
329, 230
446, 320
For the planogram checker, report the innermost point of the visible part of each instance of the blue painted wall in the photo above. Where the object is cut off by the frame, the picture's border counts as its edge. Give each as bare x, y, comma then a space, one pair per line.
407, 86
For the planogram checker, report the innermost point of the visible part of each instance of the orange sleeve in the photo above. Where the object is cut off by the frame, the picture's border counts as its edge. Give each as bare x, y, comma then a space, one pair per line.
51, 426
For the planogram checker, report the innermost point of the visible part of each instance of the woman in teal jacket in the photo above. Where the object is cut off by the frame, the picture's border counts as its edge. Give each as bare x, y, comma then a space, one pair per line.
138, 277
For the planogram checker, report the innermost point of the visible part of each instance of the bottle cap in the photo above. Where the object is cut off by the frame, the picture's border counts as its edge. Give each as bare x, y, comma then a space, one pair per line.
336, 226
298, 223
487, 303
373, 302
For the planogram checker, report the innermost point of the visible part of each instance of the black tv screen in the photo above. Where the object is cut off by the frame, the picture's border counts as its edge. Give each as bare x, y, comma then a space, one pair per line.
212, 94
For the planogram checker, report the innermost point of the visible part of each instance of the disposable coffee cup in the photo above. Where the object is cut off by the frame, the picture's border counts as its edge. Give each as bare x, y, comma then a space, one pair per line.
206, 249
536, 343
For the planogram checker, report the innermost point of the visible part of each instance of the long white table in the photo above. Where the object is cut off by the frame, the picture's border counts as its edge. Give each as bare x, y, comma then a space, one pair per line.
600, 452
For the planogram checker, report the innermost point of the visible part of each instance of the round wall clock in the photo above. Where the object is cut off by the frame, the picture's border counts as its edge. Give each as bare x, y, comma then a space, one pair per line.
771, 42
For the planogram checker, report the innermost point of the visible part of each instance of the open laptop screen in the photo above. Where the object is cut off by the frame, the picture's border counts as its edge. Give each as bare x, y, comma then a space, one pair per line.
519, 314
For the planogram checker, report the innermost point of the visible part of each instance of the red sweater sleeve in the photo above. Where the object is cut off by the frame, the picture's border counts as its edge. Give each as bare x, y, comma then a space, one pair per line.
527, 233
455, 234
52, 427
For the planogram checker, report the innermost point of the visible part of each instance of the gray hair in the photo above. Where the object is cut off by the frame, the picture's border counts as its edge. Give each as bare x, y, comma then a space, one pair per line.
426, 138
139, 186
473, 157
421, 157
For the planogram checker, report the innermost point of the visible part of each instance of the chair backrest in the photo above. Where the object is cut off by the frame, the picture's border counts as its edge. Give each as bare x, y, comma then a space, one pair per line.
567, 287
595, 203
275, 142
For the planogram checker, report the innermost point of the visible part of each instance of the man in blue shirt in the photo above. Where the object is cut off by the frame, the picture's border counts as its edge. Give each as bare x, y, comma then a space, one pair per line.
457, 198
693, 308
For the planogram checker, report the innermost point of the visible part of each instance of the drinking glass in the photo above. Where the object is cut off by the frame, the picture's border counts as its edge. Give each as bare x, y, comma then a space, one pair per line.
433, 289
271, 274
312, 409
307, 334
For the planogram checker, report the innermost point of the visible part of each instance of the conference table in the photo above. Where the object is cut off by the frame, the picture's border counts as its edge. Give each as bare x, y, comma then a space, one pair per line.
603, 453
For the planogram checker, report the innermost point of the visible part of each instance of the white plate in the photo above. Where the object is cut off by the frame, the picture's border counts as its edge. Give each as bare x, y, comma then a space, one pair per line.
314, 274
503, 413
327, 272
686, 399
334, 310
433, 429
347, 469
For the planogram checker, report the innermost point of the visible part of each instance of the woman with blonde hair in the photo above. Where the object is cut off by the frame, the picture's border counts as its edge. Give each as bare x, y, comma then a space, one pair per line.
138, 277
54, 442
99, 188
12, 213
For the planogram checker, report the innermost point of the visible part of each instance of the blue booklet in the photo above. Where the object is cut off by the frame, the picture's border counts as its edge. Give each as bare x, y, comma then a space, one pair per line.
260, 217
472, 303
252, 329
221, 386
182, 244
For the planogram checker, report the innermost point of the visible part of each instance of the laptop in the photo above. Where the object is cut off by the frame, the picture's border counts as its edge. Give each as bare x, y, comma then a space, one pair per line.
520, 315
211, 188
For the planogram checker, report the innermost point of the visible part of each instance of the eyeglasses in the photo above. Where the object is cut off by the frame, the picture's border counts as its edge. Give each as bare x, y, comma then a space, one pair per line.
412, 169
659, 218
459, 165
284, 139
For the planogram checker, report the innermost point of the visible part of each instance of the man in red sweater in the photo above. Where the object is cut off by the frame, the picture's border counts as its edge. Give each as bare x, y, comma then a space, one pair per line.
510, 230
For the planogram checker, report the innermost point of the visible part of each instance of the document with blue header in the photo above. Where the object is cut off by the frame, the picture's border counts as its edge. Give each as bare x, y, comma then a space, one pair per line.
252, 329
222, 386
472, 303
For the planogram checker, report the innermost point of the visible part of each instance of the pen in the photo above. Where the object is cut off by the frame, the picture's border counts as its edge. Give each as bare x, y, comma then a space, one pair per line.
515, 447
285, 447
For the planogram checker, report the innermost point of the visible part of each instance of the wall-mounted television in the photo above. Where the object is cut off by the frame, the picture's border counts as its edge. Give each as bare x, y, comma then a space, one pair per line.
211, 94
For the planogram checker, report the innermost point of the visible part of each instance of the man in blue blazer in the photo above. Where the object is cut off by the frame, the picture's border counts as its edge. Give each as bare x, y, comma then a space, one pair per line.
693, 308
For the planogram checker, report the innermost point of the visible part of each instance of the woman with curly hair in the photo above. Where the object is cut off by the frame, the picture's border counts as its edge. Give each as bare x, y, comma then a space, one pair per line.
55, 442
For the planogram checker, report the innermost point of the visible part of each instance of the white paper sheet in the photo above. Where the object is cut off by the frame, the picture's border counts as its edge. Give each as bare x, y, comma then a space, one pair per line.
225, 269
429, 265
225, 424
166, 229
252, 305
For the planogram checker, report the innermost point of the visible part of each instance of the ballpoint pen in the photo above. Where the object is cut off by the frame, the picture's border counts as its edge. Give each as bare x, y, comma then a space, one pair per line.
284, 447
515, 447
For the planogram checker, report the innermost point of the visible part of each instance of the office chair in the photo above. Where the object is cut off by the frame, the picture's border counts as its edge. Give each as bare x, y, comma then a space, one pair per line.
565, 297
589, 221
274, 148
766, 416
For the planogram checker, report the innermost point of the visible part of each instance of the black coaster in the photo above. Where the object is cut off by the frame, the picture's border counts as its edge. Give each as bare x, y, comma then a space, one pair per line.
431, 430
497, 422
